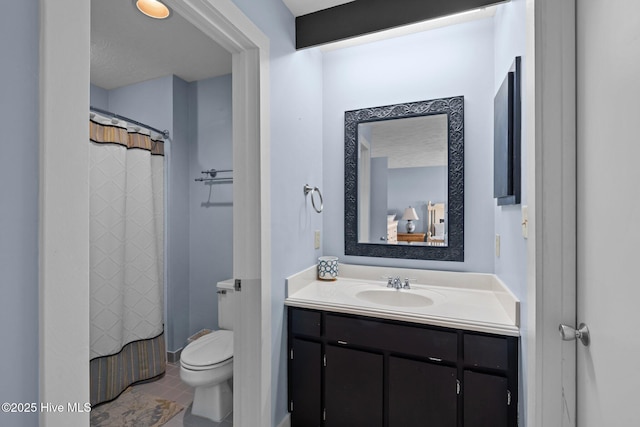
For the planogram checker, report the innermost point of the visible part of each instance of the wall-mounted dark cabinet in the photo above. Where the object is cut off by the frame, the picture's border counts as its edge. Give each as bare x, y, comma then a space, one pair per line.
507, 166
347, 370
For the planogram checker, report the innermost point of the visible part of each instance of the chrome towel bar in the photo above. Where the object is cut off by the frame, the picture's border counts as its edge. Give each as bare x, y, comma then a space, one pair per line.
213, 176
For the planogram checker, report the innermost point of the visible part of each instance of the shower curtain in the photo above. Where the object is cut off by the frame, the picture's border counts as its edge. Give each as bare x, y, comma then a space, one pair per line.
126, 231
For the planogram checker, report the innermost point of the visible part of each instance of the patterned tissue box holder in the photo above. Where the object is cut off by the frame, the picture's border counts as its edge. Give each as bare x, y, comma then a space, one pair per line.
328, 268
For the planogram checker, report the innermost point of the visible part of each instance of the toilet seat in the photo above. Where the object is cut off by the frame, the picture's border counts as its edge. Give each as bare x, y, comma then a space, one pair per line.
188, 367
208, 351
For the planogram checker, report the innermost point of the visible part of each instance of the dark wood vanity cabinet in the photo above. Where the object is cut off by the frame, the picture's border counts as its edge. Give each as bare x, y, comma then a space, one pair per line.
354, 382
307, 387
351, 371
421, 393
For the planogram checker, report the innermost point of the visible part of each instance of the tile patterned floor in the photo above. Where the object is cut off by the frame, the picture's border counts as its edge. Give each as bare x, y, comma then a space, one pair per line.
172, 388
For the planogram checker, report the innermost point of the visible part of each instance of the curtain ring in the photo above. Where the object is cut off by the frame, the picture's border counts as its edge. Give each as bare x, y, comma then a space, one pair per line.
308, 189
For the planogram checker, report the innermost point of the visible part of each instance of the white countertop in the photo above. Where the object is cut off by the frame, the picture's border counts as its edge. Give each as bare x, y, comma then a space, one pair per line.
471, 301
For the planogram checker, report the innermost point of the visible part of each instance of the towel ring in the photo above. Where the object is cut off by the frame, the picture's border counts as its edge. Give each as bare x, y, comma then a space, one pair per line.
308, 189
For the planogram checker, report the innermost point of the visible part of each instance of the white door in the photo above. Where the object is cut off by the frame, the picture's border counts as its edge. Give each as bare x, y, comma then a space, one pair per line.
608, 176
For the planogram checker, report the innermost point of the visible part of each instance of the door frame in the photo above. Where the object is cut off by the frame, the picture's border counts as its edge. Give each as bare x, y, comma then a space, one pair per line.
64, 232
551, 167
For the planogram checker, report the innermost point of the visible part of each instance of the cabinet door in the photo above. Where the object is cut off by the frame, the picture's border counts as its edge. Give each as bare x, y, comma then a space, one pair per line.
305, 376
353, 388
421, 394
486, 400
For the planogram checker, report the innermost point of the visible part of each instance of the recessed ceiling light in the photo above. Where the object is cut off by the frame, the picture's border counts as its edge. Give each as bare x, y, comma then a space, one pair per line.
153, 8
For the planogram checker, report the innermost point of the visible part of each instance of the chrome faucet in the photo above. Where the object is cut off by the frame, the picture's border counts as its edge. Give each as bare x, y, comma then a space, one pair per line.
396, 283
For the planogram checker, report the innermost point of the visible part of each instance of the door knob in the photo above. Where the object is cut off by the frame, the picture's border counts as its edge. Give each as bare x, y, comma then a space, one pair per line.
569, 334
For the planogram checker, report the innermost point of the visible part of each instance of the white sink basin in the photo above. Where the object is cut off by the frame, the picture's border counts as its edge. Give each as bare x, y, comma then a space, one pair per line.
394, 297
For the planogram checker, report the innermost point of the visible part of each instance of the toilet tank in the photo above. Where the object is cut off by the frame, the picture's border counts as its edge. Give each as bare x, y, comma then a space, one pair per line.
226, 304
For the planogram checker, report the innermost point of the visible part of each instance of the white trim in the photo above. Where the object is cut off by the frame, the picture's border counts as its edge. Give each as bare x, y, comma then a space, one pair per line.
64, 209
252, 380
223, 22
64, 237
551, 120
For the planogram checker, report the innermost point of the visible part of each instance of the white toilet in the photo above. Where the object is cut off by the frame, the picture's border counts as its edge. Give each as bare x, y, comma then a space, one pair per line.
207, 363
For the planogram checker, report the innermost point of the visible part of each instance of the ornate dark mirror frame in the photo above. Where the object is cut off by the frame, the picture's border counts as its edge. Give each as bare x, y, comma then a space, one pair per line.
454, 109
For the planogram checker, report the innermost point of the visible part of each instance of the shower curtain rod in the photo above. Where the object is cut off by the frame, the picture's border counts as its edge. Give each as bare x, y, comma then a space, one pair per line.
164, 133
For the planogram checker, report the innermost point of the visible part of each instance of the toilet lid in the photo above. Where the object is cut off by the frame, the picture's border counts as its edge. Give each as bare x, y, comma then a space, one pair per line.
209, 349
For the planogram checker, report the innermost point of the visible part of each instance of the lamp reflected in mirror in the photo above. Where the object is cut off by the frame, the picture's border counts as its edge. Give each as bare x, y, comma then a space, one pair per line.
410, 215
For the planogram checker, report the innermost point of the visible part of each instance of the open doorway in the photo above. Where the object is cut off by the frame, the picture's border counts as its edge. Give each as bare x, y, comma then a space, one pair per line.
139, 69
64, 358
169, 75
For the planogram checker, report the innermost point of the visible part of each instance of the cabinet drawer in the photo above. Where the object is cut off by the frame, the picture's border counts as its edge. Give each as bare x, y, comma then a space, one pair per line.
305, 322
486, 352
410, 340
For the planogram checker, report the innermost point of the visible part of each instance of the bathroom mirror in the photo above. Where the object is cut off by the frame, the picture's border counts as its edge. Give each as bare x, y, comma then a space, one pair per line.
404, 180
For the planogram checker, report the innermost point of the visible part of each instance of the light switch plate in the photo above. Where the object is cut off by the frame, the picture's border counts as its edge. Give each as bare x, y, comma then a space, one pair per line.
497, 246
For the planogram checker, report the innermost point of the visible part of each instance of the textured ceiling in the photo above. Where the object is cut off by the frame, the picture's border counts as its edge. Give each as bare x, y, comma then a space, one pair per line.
128, 47
411, 142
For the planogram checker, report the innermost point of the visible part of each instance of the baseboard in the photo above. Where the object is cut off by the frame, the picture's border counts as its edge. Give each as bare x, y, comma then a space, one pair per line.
174, 356
286, 422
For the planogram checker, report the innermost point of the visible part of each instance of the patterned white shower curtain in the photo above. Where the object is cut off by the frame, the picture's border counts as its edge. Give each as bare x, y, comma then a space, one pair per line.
126, 231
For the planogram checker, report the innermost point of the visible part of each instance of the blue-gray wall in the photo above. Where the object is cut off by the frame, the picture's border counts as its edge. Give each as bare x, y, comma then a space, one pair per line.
511, 266
379, 198
148, 102
19, 44
430, 183
296, 160
177, 220
510, 41
450, 61
98, 97
210, 204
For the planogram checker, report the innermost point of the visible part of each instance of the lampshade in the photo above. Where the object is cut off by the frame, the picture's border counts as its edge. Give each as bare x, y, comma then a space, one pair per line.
153, 9
410, 214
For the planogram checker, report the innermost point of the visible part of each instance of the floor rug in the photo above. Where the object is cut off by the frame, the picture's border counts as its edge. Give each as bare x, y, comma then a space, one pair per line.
134, 409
